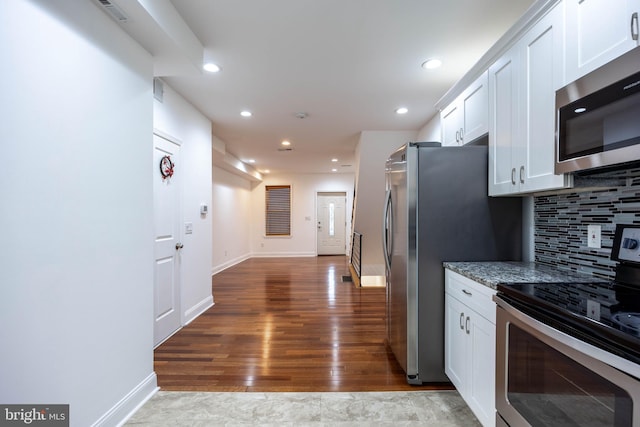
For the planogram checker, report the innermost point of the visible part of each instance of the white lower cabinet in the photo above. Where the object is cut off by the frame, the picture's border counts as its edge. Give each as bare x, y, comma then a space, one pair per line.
470, 338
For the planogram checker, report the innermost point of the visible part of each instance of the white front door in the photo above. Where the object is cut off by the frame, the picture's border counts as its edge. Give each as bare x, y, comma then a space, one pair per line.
332, 226
166, 207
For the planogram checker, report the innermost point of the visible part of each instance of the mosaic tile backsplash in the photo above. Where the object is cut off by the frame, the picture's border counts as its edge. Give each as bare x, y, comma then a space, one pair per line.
561, 222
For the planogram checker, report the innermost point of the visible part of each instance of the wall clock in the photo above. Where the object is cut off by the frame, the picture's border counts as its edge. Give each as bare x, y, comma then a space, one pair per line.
166, 167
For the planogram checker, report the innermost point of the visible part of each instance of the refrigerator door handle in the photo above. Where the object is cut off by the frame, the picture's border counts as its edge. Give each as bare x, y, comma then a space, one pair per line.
387, 232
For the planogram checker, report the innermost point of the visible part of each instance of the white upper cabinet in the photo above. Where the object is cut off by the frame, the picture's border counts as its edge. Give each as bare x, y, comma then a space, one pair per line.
597, 32
475, 102
556, 42
466, 119
541, 75
451, 122
504, 153
522, 85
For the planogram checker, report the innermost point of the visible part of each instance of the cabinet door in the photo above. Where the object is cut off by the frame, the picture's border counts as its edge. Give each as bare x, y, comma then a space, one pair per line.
503, 126
475, 106
481, 386
455, 342
541, 71
451, 121
597, 32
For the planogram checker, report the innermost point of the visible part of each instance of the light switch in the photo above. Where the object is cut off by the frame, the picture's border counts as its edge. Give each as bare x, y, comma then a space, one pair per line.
593, 236
188, 228
593, 310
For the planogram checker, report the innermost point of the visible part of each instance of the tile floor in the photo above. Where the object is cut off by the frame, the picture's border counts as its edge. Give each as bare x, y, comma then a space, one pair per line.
413, 408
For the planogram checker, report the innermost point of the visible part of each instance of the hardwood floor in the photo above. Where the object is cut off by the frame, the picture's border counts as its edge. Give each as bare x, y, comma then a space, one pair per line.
285, 324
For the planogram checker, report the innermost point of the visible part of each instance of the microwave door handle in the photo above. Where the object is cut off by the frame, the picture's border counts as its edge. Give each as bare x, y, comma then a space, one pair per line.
634, 26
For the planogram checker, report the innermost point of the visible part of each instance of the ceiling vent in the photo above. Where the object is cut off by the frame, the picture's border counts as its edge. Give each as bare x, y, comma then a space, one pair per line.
285, 149
113, 10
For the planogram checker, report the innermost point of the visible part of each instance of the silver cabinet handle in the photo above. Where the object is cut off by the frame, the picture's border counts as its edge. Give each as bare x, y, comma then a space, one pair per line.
461, 134
522, 174
634, 26
513, 176
466, 325
461, 321
466, 292
179, 246
457, 136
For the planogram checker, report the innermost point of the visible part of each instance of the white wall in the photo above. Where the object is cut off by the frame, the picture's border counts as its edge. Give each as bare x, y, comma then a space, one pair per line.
304, 187
76, 300
231, 214
177, 118
431, 131
372, 152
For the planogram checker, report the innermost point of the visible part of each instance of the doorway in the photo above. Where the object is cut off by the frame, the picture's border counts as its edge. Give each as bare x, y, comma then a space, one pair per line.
331, 225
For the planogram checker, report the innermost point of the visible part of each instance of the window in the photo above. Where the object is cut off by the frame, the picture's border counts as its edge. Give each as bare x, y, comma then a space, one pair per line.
278, 210
332, 219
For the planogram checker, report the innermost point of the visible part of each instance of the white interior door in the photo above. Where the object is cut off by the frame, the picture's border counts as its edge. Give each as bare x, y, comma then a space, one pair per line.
332, 225
166, 201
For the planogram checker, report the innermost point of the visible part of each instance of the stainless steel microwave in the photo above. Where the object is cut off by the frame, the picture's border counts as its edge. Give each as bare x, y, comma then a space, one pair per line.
598, 117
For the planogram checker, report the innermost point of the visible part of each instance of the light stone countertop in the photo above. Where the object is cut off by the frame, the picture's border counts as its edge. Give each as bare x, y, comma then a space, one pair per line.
492, 273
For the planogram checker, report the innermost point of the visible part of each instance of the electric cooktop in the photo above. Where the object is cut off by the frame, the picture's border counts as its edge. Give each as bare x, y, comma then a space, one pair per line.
604, 314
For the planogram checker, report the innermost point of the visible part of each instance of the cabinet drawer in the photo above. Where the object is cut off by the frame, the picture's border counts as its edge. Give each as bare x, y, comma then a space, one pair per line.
473, 294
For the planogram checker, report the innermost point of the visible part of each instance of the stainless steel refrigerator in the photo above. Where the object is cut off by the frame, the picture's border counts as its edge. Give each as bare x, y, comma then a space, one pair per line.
436, 210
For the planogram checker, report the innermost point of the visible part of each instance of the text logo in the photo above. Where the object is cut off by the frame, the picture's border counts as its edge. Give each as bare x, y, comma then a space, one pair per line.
34, 415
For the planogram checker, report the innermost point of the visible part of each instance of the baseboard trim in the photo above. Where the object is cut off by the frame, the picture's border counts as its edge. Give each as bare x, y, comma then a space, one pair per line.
217, 269
282, 254
195, 311
128, 405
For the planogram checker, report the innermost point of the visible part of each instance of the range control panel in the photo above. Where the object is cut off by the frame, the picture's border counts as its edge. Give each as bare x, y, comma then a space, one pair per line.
626, 244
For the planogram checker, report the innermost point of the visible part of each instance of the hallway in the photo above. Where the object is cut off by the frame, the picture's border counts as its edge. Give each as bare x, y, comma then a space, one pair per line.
284, 324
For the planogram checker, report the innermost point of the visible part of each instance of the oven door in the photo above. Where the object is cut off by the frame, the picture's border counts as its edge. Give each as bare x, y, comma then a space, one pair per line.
545, 377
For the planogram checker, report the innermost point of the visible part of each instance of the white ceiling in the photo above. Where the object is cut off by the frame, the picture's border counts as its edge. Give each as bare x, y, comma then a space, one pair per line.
348, 64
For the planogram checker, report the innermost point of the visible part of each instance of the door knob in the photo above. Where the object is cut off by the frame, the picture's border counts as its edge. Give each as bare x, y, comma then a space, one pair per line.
179, 246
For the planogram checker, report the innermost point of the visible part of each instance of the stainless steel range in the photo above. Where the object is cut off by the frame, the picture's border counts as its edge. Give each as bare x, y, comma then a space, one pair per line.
568, 354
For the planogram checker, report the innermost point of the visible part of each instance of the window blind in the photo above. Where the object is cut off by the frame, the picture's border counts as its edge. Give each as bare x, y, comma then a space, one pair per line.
278, 210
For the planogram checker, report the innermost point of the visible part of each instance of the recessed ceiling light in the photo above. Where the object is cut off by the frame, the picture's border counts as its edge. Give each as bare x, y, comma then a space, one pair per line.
402, 110
334, 160
431, 64
246, 113
286, 143
211, 67
266, 171
580, 110
334, 170
251, 160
